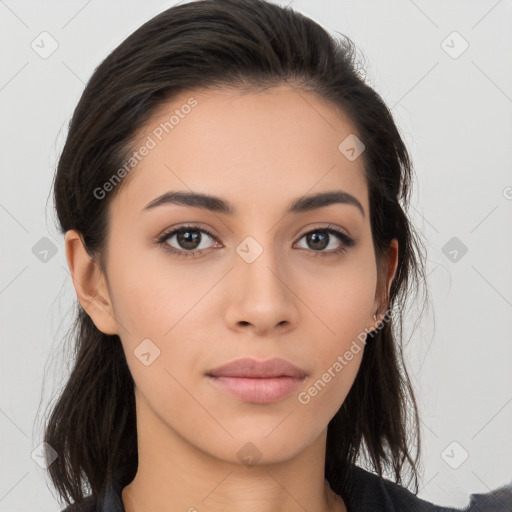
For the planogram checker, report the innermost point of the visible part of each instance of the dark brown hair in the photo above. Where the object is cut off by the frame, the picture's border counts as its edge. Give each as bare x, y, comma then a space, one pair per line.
245, 44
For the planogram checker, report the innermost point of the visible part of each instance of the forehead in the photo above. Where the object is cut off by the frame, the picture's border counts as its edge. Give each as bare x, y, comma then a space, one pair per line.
255, 147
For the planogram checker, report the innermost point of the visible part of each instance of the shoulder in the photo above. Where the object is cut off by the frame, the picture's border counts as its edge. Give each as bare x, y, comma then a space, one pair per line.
367, 491
89, 504
498, 500
108, 501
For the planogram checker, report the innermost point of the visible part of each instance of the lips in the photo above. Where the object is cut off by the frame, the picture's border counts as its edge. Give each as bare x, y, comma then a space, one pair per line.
258, 382
251, 368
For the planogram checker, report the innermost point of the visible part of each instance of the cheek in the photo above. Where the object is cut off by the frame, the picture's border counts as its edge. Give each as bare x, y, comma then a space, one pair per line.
342, 296
161, 304
151, 296
343, 301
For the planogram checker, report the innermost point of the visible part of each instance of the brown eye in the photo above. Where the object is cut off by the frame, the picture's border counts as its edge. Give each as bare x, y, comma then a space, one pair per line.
320, 239
186, 240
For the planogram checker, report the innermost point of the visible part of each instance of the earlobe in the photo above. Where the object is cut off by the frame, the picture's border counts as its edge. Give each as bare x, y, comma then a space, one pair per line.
89, 283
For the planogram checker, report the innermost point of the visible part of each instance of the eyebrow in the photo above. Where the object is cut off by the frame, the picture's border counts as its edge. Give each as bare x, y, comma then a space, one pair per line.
216, 204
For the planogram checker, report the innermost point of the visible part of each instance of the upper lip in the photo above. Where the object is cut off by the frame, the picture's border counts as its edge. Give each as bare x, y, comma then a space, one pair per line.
252, 368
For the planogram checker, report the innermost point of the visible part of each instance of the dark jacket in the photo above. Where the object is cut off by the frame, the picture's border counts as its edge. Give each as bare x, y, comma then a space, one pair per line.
368, 493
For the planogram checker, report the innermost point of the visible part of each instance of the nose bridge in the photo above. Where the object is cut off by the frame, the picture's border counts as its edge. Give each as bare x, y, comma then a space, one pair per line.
260, 263
263, 297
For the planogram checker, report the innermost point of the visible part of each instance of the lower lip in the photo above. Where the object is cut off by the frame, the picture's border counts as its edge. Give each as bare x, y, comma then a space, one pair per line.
258, 391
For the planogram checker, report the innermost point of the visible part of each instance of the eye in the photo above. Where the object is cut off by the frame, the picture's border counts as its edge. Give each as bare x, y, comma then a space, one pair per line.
320, 239
188, 238
188, 241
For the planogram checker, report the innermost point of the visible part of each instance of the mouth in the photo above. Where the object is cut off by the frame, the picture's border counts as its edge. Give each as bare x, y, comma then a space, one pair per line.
259, 382
257, 390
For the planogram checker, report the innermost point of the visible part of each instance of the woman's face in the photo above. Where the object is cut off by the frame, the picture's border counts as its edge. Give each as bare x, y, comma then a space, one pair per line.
266, 283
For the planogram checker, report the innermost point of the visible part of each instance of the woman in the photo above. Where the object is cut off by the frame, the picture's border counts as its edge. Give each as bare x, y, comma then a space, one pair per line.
233, 198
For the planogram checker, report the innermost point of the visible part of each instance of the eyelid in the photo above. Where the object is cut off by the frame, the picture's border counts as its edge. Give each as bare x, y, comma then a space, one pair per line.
326, 227
173, 229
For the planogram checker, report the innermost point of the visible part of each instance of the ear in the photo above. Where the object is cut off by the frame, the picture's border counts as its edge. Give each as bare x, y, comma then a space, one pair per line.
90, 284
385, 280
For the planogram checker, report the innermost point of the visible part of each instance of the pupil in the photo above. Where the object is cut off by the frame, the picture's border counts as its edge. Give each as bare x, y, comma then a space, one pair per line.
314, 238
185, 238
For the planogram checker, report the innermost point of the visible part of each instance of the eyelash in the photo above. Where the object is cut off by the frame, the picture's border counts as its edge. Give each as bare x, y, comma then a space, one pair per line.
346, 241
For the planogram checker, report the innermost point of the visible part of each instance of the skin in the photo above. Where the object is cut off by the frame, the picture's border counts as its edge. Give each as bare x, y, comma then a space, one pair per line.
258, 151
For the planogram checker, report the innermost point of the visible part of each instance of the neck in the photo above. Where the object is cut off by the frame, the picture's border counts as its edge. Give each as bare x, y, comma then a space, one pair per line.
174, 475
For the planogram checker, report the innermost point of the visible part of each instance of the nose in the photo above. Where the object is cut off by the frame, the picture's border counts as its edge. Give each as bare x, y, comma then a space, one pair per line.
262, 296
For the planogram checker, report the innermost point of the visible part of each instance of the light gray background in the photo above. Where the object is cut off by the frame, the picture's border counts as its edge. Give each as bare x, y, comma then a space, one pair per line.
455, 115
